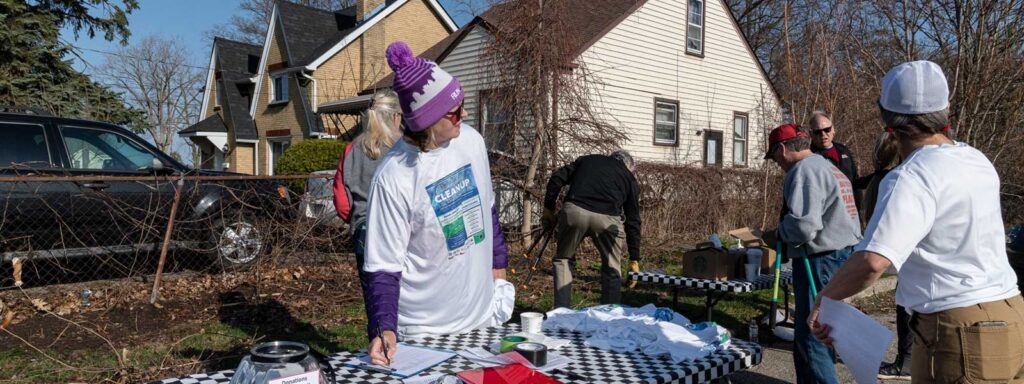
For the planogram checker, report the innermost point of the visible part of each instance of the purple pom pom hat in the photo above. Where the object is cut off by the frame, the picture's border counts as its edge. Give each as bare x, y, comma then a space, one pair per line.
425, 91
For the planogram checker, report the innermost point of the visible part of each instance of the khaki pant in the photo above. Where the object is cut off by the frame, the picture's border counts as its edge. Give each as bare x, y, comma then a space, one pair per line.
608, 234
951, 347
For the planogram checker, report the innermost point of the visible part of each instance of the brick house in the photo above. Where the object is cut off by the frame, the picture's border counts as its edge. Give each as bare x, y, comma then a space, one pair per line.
226, 134
311, 55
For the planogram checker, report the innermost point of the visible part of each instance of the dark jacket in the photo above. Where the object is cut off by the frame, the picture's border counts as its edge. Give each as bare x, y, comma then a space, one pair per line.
846, 162
600, 184
848, 166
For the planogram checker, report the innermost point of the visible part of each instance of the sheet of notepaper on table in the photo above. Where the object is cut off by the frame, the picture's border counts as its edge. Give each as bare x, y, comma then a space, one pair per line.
409, 360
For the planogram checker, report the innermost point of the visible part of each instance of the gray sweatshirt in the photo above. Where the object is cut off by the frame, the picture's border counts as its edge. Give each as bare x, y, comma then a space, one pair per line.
359, 170
820, 212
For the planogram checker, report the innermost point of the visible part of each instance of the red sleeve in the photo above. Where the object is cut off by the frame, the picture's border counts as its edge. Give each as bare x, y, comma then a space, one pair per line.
341, 202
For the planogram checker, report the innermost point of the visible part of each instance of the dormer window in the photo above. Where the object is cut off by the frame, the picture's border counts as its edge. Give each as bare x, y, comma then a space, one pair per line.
279, 89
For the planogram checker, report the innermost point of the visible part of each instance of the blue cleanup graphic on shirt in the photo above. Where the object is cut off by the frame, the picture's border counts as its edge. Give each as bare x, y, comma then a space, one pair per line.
456, 202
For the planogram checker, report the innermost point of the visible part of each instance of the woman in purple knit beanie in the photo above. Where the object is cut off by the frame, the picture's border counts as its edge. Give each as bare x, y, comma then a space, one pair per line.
435, 256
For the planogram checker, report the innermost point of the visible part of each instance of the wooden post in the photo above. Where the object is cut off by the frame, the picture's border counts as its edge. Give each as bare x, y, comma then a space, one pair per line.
167, 240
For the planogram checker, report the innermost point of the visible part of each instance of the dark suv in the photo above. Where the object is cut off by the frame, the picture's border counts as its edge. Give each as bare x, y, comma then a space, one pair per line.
73, 188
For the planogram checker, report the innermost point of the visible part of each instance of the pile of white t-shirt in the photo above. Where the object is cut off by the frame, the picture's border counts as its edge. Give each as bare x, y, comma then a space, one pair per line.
654, 331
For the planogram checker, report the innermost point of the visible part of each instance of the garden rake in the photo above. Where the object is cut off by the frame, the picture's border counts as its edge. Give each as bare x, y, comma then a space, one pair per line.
532, 261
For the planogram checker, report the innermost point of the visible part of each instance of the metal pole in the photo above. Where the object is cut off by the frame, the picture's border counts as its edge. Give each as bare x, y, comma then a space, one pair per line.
779, 246
810, 275
167, 241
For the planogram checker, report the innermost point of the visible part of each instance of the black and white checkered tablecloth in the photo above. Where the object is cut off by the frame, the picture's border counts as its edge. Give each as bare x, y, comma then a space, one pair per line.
590, 364
763, 282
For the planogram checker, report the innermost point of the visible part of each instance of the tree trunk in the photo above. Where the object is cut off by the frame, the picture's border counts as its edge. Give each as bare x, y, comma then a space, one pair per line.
531, 173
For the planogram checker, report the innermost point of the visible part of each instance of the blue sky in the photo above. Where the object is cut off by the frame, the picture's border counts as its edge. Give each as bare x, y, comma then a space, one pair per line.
184, 20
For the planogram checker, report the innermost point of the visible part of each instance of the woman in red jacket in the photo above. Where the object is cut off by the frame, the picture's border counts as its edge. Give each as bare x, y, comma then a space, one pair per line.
357, 165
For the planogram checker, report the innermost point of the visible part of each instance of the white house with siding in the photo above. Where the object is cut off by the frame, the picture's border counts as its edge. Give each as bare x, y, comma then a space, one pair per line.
678, 76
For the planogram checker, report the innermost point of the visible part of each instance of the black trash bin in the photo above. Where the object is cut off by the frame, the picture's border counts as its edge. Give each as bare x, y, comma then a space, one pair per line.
1015, 252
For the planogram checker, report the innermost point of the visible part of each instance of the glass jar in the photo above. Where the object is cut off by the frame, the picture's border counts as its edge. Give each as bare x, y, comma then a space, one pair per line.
275, 360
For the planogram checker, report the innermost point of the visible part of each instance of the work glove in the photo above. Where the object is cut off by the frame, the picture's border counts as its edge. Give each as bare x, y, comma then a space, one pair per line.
634, 266
548, 220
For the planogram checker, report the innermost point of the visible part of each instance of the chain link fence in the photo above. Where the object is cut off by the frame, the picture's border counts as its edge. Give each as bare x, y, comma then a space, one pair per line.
67, 229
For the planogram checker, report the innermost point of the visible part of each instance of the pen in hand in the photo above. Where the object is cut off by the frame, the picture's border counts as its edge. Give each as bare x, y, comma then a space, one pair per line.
383, 344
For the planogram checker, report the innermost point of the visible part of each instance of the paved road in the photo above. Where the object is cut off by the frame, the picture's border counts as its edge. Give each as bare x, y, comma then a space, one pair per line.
777, 365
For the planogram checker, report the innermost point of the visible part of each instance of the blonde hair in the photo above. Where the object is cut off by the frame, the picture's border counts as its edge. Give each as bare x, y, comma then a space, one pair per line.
381, 131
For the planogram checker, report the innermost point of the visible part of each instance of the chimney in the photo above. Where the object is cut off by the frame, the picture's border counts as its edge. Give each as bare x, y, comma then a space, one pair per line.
363, 8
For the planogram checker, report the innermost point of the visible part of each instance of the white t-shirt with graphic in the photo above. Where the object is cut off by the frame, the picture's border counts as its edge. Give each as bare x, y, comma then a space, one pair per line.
938, 220
429, 219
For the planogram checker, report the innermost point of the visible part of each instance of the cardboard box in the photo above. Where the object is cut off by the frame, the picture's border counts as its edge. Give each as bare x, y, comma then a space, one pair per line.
753, 238
708, 262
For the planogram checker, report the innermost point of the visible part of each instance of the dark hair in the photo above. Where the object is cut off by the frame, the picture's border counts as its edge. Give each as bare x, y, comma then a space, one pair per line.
887, 151
911, 127
420, 139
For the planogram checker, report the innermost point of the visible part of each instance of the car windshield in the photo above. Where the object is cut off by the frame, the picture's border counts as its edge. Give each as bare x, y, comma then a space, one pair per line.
319, 187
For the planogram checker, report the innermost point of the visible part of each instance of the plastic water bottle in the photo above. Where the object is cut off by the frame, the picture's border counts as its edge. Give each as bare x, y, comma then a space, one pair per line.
752, 330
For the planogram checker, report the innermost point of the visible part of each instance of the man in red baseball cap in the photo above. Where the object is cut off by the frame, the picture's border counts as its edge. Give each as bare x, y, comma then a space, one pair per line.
820, 223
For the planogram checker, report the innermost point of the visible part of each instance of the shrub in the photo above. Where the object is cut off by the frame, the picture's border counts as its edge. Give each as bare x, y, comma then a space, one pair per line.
309, 156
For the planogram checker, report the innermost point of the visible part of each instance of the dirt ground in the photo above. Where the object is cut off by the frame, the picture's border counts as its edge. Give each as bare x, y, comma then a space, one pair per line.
120, 321
205, 322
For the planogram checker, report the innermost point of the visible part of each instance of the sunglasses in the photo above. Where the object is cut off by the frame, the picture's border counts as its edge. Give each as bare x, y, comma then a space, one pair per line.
455, 116
822, 131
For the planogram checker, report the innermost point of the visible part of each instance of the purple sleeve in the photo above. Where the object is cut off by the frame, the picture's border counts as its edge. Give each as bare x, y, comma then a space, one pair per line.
500, 248
382, 294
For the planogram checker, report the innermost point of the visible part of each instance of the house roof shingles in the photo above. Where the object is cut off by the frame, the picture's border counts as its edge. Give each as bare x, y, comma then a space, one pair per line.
210, 124
233, 65
310, 32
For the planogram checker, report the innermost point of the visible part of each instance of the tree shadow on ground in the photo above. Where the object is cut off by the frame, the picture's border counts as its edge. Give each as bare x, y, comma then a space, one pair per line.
747, 377
263, 321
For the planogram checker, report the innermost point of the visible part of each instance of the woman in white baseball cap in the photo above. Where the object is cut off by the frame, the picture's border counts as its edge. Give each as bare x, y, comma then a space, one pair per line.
938, 222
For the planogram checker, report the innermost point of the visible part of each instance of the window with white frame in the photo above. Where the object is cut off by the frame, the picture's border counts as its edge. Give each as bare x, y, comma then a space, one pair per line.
695, 28
666, 122
713, 148
277, 148
279, 88
739, 139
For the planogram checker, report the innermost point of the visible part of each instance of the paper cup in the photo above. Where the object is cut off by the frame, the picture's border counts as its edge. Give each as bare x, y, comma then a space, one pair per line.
754, 255
531, 322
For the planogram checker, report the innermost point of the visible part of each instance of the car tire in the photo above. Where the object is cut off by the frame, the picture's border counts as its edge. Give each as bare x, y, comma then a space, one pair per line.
237, 243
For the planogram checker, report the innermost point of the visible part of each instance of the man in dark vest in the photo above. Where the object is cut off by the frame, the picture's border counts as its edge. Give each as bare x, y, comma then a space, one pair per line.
822, 135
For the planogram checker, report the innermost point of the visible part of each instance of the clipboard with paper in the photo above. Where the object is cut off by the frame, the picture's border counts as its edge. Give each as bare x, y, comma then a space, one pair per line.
409, 360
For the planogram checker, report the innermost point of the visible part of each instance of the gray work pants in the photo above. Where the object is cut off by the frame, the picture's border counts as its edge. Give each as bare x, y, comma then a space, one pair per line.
608, 234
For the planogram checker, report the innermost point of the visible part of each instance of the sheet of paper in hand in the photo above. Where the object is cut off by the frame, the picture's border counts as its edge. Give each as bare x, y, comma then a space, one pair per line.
859, 339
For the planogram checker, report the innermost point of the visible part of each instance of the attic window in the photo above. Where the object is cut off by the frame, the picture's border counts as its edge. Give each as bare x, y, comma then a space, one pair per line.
253, 64
695, 28
279, 89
